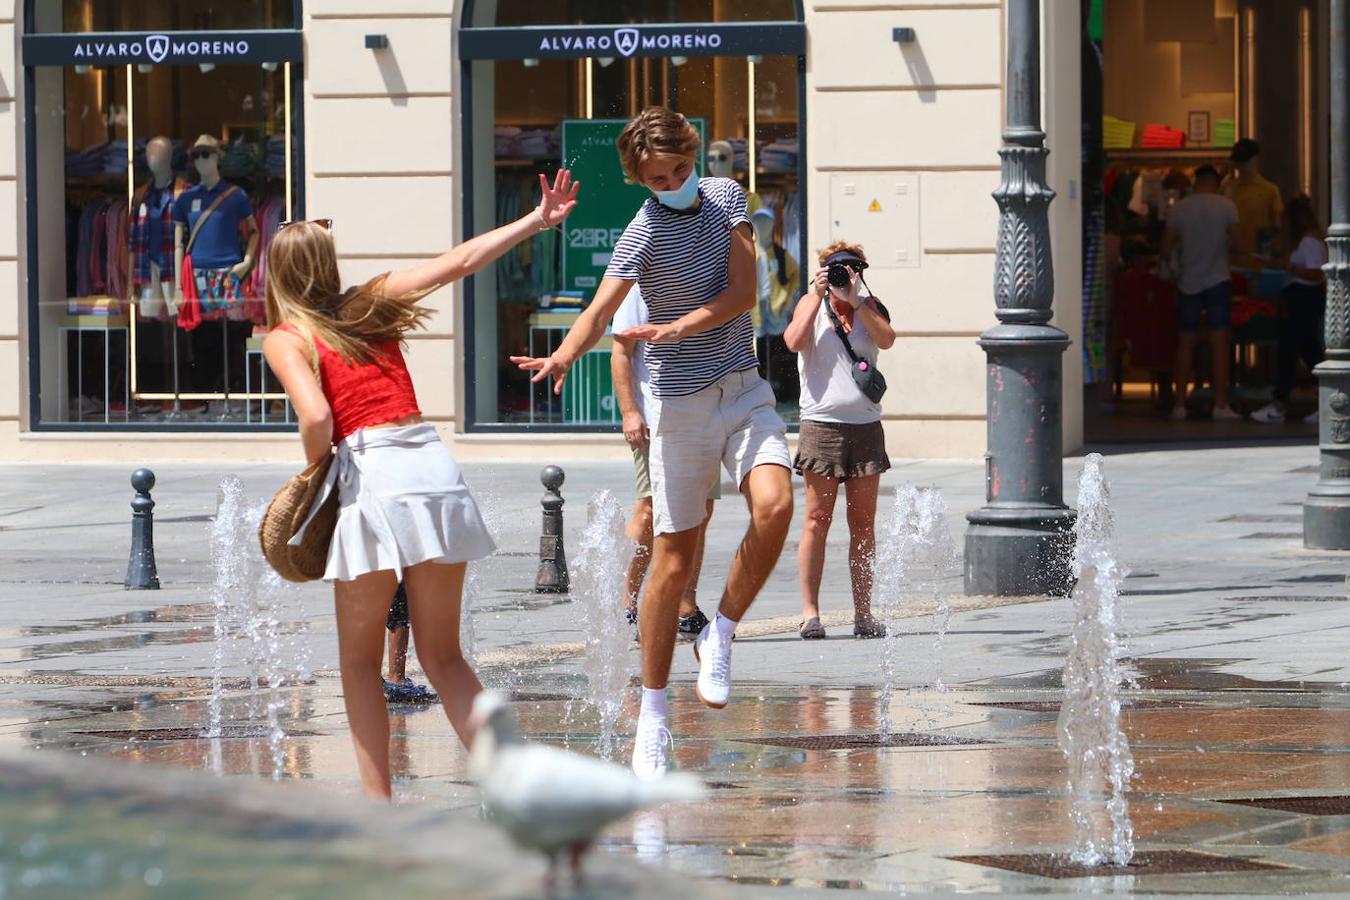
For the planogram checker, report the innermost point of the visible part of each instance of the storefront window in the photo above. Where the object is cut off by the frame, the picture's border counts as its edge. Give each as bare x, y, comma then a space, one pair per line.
531, 115
572, 12
155, 187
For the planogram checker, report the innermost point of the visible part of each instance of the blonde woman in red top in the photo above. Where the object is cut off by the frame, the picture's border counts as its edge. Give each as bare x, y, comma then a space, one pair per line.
406, 512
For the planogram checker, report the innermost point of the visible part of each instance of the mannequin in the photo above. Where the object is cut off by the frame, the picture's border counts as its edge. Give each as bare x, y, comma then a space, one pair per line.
721, 160
153, 286
762, 221
218, 265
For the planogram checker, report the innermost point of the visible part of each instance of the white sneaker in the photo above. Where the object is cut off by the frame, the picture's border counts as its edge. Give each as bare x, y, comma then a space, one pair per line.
1226, 414
714, 667
650, 742
1270, 414
1311, 418
1178, 414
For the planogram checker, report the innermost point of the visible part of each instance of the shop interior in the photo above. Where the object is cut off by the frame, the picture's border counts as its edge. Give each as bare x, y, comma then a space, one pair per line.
531, 114
1168, 87
145, 152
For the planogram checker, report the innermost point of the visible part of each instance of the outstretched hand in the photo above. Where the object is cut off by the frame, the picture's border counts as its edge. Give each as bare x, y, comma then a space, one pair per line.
652, 334
559, 199
544, 367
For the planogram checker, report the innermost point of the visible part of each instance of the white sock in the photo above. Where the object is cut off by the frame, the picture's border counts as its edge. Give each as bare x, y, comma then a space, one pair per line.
654, 703
724, 627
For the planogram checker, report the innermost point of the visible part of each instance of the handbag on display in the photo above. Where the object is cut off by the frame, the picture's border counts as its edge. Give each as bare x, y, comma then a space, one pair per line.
866, 376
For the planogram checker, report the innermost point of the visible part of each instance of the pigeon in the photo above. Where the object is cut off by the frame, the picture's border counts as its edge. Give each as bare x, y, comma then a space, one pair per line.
551, 800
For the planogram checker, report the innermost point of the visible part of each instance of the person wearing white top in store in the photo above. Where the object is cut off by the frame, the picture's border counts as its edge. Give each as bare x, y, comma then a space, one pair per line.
628, 366
1304, 300
841, 439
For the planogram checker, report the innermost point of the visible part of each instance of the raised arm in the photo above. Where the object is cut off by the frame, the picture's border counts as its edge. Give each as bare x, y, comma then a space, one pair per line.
557, 202
736, 298
582, 336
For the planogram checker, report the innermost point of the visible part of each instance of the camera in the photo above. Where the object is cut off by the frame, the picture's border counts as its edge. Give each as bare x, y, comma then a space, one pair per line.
838, 275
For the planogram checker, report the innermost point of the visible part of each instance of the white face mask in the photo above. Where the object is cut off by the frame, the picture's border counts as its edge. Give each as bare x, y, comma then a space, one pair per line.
682, 197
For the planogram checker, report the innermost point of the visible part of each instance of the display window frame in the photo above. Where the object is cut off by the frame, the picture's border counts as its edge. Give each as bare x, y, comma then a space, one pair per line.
477, 44
123, 52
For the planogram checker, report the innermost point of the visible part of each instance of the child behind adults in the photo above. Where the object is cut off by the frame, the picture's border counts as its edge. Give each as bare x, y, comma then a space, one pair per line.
691, 248
841, 439
398, 687
1202, 228
405, 510
1304, 300
629, 374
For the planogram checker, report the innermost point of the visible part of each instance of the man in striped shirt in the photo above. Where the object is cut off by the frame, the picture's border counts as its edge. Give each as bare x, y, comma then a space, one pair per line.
691, 250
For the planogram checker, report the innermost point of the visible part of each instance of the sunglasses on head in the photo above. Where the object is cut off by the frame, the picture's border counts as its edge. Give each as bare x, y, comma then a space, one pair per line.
325, 224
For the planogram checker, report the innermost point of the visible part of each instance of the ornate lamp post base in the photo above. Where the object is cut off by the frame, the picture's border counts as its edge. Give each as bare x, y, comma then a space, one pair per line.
1326, 512
1020, 542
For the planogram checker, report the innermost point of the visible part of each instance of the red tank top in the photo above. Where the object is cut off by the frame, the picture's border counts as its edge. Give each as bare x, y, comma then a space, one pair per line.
370, 394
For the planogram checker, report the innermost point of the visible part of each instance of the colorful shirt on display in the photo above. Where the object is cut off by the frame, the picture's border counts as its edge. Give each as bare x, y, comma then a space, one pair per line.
218, 246
151, 233
680, 259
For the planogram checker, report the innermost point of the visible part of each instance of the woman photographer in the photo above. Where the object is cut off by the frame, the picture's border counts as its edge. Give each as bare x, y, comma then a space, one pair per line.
841, 439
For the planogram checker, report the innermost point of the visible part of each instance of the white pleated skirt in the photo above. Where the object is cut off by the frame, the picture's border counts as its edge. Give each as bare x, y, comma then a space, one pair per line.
403, 502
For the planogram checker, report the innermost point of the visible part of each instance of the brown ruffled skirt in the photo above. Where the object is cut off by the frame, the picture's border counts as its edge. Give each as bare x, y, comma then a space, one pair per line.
841, 451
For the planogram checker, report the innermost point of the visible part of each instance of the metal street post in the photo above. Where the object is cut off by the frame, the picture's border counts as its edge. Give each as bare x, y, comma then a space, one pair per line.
1019, 542
1326, 513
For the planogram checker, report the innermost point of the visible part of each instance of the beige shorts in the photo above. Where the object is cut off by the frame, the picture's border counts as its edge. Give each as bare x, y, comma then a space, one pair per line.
732, 423
643, 479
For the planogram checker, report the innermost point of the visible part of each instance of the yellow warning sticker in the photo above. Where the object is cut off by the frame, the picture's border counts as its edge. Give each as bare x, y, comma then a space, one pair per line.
874, 206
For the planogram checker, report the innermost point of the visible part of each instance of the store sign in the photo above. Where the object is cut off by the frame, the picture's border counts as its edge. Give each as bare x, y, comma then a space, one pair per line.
596, 225
170, 47
581, 41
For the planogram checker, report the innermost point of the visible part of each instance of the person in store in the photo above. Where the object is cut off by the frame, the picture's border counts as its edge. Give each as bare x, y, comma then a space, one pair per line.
1260, 210
406, 512
1304, 300
1201, 232
841, 439
212, 260
691, 249
398, 687
629, 373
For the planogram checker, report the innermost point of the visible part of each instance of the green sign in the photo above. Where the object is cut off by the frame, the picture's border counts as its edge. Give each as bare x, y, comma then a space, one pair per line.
607, 203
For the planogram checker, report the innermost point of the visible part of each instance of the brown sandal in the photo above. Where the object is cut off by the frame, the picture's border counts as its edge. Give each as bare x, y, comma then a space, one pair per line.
811, 629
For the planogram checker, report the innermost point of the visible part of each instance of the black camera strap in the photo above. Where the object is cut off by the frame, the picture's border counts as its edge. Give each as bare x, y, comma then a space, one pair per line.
839, 330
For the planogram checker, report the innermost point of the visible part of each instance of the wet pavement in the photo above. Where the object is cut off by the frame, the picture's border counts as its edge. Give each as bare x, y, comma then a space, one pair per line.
1238, 715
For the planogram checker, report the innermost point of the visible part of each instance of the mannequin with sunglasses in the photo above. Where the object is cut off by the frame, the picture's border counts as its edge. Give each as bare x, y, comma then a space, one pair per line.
841, 439
216, 240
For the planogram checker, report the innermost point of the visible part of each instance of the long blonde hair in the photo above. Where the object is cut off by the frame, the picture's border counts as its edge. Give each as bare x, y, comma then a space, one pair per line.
304, 291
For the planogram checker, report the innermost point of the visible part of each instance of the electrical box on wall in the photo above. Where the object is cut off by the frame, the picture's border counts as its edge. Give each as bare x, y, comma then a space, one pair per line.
879, 211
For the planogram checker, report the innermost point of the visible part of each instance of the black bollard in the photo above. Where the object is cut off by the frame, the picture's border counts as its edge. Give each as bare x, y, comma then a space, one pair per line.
141, 573
552, 578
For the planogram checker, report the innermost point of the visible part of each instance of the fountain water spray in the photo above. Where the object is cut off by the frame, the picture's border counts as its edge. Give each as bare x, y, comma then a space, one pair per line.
253, 607
915, 551
598, 583
1096, 750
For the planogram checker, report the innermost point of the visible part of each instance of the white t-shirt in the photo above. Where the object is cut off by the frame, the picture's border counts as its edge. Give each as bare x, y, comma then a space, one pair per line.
1202, 221
1310, 253
829, 393
630, 314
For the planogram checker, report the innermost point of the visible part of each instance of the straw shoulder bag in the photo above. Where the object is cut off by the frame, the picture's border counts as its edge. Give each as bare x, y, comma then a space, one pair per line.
294, 535
294, 542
